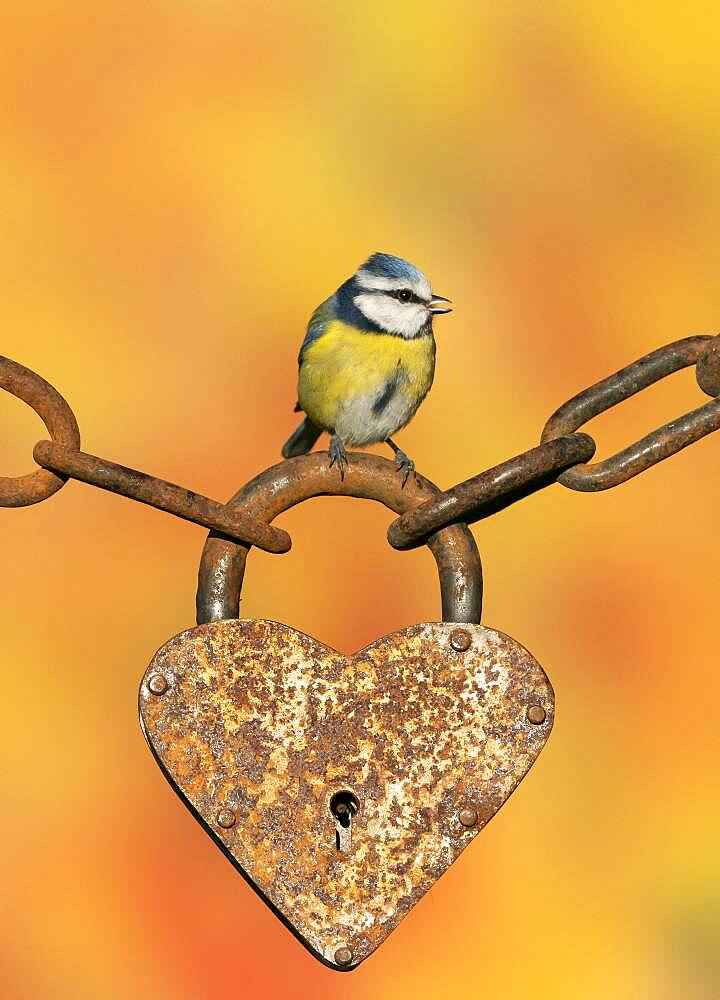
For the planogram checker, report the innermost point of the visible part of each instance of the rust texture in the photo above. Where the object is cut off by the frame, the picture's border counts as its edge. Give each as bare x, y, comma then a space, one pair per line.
654, 447
60, 422
158, 493
61, 459
222, 566
265, 723
492, 490
707, 369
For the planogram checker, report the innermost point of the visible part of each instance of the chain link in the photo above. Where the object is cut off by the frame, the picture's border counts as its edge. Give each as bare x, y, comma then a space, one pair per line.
60, 422
505, 484
492, 490
654, 447
62, 459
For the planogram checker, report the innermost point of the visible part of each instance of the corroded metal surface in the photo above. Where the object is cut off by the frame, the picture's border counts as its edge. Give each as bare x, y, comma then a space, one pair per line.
707, 369
260, 728
161, 494
57, 417
659, 444
368, 477
492, 490
62, 459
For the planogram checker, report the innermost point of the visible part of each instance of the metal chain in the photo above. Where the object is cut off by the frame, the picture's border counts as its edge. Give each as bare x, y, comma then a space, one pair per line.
62, 459
562, 455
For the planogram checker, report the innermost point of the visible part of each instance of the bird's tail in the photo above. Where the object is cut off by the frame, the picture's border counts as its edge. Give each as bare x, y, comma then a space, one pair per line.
301, 440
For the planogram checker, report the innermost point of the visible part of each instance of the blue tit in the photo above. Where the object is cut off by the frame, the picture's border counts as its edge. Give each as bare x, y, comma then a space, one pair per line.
368, 360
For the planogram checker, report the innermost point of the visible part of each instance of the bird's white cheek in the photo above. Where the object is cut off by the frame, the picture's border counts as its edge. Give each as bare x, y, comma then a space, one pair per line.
395, 317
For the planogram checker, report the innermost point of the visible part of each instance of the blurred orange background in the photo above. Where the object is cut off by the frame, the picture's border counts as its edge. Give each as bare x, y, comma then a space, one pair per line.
181, 184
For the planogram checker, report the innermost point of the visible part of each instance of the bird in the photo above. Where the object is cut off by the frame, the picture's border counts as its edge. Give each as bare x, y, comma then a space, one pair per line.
367, 361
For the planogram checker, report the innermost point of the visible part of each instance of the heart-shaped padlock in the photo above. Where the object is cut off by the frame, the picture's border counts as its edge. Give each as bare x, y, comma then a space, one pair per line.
342, 787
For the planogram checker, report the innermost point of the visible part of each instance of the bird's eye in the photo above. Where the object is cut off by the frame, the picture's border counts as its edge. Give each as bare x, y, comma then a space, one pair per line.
404, 295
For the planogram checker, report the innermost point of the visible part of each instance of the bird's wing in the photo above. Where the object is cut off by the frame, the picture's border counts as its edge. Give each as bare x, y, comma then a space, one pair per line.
319, 321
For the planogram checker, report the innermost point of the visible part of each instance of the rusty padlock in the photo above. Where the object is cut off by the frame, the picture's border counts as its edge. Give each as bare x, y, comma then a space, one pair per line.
342, 787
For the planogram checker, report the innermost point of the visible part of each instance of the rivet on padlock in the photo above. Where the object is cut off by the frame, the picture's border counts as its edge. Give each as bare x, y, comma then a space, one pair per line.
338, 768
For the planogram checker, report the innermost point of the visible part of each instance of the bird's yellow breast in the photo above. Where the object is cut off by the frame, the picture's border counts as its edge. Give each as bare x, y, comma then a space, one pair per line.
345, 364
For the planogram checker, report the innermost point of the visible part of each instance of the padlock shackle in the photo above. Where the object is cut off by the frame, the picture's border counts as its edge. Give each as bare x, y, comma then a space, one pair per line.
222, 566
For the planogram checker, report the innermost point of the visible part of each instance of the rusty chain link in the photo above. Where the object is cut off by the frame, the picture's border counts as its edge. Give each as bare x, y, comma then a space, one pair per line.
62, 459
492, 490
562, 453
60, 422
654, 447
562, 456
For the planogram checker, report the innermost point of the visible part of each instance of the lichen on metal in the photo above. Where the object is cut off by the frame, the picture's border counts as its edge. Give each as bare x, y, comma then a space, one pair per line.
267, 724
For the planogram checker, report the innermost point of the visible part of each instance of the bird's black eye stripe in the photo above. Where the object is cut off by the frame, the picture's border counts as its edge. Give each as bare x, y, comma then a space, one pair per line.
405, 295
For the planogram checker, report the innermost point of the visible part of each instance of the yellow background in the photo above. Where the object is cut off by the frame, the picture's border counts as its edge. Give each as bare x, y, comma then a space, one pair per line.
180, 184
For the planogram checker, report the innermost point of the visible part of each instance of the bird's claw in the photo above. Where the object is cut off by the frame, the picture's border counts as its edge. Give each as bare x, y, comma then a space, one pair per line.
338, 455
405, 465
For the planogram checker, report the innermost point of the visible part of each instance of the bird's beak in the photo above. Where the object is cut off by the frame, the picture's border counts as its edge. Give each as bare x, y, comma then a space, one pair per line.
436, 304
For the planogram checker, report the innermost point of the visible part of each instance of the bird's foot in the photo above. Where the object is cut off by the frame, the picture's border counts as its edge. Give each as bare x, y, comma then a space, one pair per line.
338, 454
405, 465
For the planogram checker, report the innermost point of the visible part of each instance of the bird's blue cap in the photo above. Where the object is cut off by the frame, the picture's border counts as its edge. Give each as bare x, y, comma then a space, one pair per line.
385, 265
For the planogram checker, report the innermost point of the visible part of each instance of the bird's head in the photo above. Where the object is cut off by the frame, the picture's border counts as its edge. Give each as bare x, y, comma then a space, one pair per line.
396, 295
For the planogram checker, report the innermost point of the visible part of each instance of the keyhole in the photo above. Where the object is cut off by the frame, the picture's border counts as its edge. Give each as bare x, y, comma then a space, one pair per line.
343, 806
